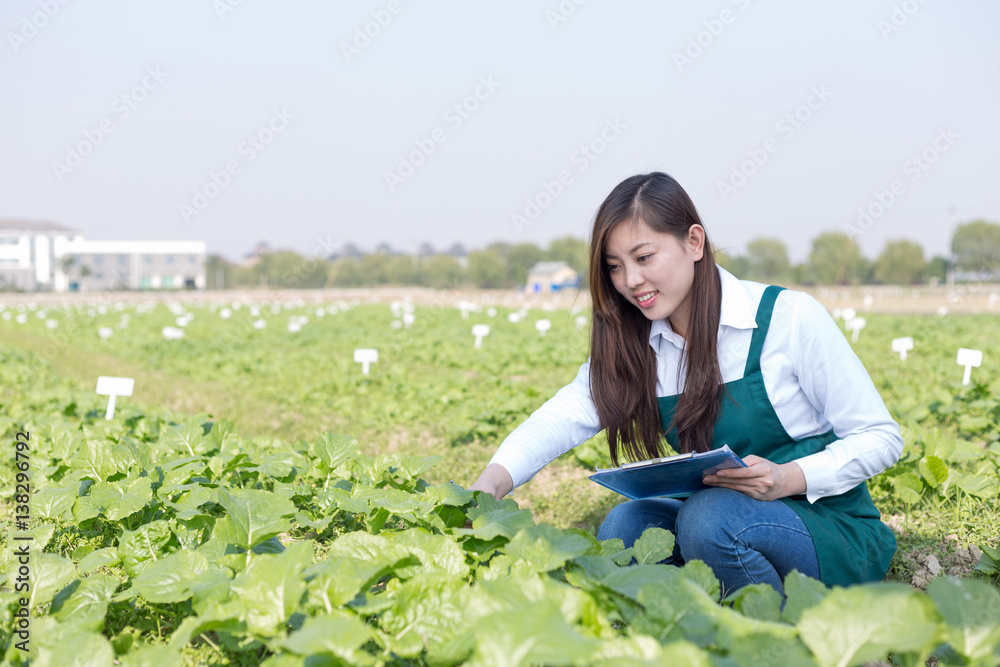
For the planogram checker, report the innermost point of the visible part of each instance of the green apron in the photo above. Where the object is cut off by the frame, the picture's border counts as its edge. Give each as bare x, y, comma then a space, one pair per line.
852, 543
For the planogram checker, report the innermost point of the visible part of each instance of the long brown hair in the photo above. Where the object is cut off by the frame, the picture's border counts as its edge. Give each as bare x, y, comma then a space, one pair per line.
622, 364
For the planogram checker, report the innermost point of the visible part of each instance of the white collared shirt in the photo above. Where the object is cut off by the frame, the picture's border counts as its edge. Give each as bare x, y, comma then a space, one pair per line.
812, 377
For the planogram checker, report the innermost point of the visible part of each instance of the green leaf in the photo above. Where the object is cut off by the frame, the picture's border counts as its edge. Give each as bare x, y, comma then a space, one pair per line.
170, 579
758, 601
534, 634
989, 562
655, 544
54, 503
271, 587
145, 544
107, 556
94, 460
545, 548
979, 486
854, 625
447, 494
84, 602
700, 573
801, 593
761, 648
426, 612
933, 470
908, 487
974, 423
337, 633
70, 646
970, 609
335, 450
117, 500
49, 573
339, 579
275, 465
252, 516
496, 518
152, 656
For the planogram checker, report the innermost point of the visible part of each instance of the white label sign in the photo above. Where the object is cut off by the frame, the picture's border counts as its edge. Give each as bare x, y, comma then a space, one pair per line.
902, 345
543, 326
969, 358
113, 387
365, 356
480, 330
857, 324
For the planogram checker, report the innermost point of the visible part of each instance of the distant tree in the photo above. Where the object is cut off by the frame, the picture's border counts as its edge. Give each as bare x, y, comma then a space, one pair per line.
836, 259
573, 251
217, 272
520, 258
976, 246
937, 268
346, 272
901, 263
735, 264
801, 275
399, 270
486, 268
440, 271
767, 259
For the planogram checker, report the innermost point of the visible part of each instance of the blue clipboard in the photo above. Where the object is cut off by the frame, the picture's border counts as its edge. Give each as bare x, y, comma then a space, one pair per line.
669, 477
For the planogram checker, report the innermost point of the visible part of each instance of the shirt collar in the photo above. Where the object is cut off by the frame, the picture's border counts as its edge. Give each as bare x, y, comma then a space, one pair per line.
739, 310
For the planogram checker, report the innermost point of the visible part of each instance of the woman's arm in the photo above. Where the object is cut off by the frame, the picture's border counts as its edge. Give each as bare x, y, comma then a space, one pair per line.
561, 423
839, 387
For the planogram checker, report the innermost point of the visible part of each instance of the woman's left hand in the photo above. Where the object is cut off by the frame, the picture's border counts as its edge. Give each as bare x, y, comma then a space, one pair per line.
761, 479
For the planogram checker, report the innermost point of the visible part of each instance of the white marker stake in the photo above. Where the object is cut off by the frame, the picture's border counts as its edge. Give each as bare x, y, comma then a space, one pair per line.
857, 324
992, 299
514, 318
969, 358
105, 332
170, 333
543, 326
480, 330
113, 387
849, 314
225, 313
408, 319
365, 356
869, 300
902, 345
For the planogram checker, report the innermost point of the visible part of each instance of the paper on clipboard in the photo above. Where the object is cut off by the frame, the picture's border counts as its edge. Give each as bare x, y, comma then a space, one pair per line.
668, 477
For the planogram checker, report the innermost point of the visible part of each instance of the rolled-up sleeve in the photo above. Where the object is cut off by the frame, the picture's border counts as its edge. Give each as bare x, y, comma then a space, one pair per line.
564, 421
838, 386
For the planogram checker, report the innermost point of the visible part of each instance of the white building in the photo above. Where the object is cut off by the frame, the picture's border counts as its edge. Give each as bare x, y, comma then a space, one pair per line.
50, 257
548, 277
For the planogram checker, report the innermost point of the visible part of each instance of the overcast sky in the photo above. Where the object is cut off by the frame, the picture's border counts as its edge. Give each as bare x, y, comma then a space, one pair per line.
239, 121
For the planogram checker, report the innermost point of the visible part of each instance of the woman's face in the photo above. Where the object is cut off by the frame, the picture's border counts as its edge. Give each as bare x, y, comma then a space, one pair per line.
653, 270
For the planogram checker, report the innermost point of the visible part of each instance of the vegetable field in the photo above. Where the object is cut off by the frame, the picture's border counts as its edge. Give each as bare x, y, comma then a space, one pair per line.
260, 500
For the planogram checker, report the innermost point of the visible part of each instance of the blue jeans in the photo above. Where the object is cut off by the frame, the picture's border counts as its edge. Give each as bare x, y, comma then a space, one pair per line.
744, 541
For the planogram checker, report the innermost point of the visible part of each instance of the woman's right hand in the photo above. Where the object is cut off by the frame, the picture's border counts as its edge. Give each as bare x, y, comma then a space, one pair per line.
494, 480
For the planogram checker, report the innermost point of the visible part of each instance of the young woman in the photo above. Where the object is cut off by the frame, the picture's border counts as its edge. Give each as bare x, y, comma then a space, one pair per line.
681, 348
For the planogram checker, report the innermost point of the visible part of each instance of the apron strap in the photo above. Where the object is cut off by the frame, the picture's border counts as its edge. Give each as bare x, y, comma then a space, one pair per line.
764, 311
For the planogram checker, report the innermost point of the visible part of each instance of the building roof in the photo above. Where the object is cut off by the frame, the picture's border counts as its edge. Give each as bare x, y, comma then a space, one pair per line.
22, 225
547, 268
